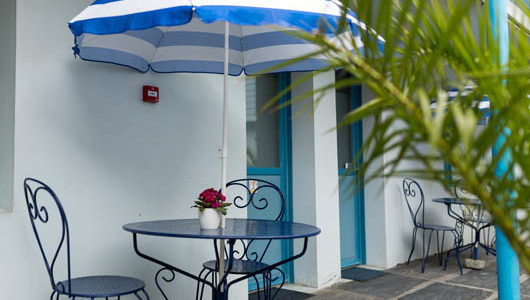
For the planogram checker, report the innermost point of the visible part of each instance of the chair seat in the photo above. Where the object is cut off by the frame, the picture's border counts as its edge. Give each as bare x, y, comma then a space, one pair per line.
483, 220
438, 227
101, 286
240, 266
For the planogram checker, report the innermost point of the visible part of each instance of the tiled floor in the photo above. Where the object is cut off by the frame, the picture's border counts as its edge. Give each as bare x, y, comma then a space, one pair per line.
408, 283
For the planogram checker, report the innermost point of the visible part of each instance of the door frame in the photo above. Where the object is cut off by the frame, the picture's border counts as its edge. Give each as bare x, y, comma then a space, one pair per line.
359, 215
285, 169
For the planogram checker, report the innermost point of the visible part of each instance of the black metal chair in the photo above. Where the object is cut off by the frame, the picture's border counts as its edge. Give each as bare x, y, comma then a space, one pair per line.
416, 204
81, 287
250, 259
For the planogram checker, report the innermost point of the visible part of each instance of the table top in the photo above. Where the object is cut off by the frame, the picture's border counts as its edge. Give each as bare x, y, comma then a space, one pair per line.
235, 229
449, 200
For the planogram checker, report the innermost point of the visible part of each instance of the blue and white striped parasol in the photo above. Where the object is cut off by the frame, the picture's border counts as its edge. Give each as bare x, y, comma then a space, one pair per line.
207, 36
188, 35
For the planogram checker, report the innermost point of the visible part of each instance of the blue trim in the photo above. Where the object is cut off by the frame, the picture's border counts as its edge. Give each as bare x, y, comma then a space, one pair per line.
357, 140
507, 261
284, 171
286, 165
172, 16
263, 171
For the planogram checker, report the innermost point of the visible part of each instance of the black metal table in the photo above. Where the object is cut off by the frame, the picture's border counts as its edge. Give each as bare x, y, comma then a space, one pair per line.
236, 229
474, 224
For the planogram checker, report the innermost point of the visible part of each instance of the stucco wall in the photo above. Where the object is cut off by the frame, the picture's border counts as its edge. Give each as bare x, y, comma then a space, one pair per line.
7, 101
315, 182
111, 158
388, 221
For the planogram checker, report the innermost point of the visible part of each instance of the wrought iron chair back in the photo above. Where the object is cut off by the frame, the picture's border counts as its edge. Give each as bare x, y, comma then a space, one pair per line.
39, 215
415, 201
472, 213
251, 194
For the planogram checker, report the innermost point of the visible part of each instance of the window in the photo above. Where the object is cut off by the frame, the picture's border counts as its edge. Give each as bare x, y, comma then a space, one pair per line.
263, 139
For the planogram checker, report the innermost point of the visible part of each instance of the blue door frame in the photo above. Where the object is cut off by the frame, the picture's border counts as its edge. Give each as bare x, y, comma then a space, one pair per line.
284, 171
351, 176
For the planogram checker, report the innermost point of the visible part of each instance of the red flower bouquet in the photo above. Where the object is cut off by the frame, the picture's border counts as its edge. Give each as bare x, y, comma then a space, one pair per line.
212, 198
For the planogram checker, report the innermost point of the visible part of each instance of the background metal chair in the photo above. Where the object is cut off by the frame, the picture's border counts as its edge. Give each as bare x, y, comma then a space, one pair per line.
416, 204
479, 217
37, 193
260, 195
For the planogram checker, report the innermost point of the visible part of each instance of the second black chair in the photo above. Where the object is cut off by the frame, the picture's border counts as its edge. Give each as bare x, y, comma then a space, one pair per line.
258, 196
416, 205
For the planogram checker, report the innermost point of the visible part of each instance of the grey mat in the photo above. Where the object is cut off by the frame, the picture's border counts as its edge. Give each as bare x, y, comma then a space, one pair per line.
283, 294
360, 274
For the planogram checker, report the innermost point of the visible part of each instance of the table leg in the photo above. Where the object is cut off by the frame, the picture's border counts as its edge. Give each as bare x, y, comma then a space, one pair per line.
168, 266
220, 292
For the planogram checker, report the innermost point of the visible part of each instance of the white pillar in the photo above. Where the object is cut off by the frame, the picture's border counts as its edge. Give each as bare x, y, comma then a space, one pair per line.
315, 183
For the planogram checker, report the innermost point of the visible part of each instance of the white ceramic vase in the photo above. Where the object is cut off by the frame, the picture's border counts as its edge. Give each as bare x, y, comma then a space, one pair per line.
209, 218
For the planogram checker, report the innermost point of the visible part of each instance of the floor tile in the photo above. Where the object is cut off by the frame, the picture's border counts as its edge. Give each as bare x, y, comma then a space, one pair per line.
387, 286
440, 291
432, 270
283, 294
478, 278
338, 294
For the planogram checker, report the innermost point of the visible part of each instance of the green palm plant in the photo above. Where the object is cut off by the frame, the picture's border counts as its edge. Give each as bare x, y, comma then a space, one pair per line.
432, 47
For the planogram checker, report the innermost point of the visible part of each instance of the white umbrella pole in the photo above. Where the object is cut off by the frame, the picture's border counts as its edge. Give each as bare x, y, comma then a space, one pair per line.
224, 151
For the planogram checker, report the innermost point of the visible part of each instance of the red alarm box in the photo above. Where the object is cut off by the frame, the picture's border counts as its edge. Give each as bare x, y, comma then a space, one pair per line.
150, 94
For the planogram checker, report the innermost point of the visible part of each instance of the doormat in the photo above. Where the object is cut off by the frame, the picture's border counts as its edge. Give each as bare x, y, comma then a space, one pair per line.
282, 294
360, 274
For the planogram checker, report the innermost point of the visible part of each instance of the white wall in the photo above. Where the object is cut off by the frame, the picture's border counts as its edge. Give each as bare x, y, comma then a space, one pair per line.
7, 101
111, 158
388, 221
315, 182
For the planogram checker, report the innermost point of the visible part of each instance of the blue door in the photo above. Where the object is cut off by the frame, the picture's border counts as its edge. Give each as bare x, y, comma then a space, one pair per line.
351, 194
268, 158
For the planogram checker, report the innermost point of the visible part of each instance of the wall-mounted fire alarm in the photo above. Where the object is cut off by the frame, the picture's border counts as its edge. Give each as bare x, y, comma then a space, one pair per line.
151, 94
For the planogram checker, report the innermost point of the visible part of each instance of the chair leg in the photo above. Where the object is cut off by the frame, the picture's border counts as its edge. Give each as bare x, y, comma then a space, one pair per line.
267, 285
203, 285
257, 286
441, 248
143, 291
424, 262
413, 243
199, 284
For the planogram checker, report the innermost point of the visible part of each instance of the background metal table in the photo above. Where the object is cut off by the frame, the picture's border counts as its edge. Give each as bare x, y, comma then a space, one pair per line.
477, 225
236, 229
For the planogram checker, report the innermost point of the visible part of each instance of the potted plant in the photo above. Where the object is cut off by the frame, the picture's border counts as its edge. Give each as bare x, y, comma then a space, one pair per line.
211, 204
